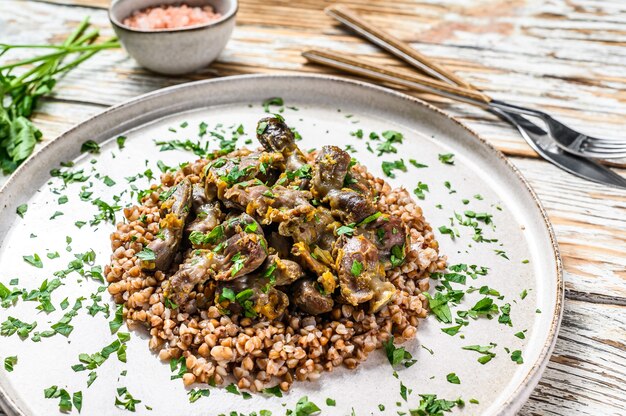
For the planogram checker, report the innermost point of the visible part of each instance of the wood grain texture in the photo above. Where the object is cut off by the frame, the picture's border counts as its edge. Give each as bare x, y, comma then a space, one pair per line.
565, 56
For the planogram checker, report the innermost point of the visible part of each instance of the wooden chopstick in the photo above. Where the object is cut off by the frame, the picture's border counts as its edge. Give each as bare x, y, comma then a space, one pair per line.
396, 46
413, 81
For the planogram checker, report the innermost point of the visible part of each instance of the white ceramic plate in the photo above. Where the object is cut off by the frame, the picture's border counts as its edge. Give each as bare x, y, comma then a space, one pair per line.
328, 109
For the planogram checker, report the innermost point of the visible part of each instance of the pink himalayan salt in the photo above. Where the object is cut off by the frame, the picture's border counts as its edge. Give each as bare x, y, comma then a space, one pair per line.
171, 17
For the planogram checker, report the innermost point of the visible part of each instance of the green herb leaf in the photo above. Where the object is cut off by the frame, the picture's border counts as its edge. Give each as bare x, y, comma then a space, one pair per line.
357, 268
146, 254
274, 391
484, 350
118, 320
275, 101
21, 210
10, 362
439, 306
196, 394
389, 167
306, 408
447, 158
260, 129
34, 260
453, 378
397, 355
345, 229
77, 400
90, 147
416, 164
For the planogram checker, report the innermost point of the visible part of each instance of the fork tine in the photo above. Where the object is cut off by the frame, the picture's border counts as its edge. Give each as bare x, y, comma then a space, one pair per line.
592, 144
602, 154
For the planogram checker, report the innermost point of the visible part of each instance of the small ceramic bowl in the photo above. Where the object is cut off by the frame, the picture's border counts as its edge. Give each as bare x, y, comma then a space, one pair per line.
174, 51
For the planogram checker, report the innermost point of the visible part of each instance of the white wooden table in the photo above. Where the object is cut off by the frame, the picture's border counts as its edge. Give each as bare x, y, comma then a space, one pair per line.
566, 56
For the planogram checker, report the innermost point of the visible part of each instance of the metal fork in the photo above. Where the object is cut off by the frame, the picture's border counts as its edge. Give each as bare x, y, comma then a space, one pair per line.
565, 137
569, 139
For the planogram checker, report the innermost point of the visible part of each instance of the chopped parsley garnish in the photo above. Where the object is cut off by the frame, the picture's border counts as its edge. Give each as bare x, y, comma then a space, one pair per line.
484, 306
357, 268
260, 129
389, 167
446, 158
517, 357
202, 127
404, 391
121, 141
235, 175
417, 164
274, 101
90, 147
238, 262
303, 172
196, 394
330, 402
125, 400
56, 214
521, 334
95, 360
305, 408
198, 238
227, 294
523, 294
108, 181
439, 306
505, 314
453, 330
65, 400
358, 134
118, 320
397, 255
501, 253
14, 325
419, 190
107, 212
21, 210
391, 137
169, 303
370, 218
430, 405
449, 231
10, 362
43, 295
274, 391
345, 229
34, 260
195, 147
232, 388
485, 351
453, 378
147, 254
397, 355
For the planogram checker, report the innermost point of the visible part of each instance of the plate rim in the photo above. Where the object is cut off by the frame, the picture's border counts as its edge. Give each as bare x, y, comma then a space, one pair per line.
524, 389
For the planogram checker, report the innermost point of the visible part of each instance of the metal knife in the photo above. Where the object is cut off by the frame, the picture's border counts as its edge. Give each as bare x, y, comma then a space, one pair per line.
542, 143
